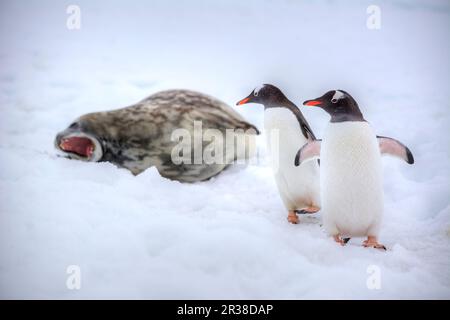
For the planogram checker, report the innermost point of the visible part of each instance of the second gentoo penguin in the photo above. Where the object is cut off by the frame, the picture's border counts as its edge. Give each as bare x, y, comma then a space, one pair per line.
351, 173
298, 186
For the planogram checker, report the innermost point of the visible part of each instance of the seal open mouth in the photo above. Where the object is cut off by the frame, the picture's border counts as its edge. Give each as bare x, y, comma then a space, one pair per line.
80, 146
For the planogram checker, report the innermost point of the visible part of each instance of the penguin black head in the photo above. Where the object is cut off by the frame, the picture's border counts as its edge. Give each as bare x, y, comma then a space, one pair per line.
339, 104
272, 97
267, 95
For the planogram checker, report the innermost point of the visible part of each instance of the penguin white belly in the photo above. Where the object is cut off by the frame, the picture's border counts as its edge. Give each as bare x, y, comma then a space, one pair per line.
351, 180
299, 187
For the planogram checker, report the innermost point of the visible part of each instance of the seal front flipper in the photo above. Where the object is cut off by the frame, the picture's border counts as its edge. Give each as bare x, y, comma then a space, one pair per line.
309, 151
395, 148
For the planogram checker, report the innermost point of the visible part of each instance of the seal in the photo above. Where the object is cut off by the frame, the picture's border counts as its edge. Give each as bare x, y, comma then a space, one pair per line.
141, 135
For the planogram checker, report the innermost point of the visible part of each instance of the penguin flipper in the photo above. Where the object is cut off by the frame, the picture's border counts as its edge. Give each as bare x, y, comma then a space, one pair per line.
309, 151
395, 148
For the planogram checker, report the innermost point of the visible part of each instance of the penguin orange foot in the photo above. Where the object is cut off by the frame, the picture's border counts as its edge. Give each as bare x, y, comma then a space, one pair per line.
308, 210
339, 240
292, 217
372, 242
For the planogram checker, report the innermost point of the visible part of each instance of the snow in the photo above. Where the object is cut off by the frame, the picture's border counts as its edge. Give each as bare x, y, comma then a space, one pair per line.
147, 237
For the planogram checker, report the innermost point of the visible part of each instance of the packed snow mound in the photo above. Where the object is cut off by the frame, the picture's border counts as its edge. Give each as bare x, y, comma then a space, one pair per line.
148, 237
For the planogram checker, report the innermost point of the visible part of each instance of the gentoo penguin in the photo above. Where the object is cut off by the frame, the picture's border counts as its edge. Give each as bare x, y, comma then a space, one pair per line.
142, 135
350, 169
298, 187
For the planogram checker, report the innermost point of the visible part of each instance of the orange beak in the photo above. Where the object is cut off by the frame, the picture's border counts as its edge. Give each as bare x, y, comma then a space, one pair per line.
312, 103
243, 101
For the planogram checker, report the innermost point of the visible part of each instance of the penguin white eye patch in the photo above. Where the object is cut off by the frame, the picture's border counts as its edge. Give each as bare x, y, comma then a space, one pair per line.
257, 89
337, 95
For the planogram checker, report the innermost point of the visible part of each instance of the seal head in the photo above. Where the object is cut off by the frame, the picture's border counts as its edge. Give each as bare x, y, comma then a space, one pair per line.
77, 142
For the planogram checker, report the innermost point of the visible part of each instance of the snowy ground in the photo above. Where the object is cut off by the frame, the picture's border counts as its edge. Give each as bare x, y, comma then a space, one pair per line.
146, 237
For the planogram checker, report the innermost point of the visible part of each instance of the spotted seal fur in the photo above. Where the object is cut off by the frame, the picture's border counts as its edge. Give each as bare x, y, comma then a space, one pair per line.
139, 136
